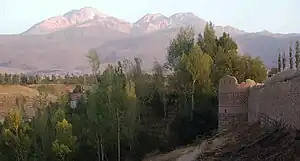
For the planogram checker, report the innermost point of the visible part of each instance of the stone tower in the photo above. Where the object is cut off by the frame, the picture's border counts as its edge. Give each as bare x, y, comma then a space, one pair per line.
233, 102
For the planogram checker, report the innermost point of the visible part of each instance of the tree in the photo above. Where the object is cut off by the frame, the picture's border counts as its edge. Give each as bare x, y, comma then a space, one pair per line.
131, 115
182, 44
283, 61
227, 43
208, 43
1, 78
65, 141
297, 53
257, 71
15, 79
23, 79
198, 65
94, 62
99, 119
7, 78
291, 57
160, 83
53, 79
279, 62
16, 135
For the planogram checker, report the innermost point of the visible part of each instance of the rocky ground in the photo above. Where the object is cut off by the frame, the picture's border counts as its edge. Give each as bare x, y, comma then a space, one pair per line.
250, 143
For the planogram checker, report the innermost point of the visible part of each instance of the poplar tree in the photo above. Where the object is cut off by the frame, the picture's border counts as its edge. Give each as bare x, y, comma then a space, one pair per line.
279, 61
297, 53
198, 65
291, 57
283, 61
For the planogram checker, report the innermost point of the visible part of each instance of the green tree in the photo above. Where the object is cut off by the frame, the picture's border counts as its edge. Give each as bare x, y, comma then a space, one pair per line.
283, 61
94, 62
198, 65
42, 133
227, 43
297, 53
65, 141
180, 45
15, 79
23, 79
99, 119
208, 43
16, 135
279, 63
1, 78
53, 79
291, 57
257, 71
160, 84
7, 78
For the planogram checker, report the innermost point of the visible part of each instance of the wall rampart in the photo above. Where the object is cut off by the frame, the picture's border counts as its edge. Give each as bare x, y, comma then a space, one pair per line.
278, 99
233, 102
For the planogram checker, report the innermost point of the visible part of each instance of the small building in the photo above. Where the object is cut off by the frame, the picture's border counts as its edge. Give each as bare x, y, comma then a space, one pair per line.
75, 96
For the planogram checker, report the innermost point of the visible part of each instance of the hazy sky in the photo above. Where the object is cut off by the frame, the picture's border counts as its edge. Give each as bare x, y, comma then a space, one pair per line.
280, 16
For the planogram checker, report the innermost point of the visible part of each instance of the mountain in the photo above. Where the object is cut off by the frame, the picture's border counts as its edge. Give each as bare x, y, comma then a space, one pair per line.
84, 17
59, 44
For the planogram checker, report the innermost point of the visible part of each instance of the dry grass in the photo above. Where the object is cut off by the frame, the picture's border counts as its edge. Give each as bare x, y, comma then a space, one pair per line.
54, 89
9, 94
15, 90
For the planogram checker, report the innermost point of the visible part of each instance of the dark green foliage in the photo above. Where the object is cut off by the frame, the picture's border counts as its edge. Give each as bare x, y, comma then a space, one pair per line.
279, 63
297, 54
283, 61
291, 57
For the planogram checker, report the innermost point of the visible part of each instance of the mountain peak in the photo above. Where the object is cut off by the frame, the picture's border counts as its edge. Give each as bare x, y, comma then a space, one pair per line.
183, 14
71, 18
152, 22
85, 13
152, 17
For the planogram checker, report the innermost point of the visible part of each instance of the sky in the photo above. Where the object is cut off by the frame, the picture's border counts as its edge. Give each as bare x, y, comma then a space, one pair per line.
278, 16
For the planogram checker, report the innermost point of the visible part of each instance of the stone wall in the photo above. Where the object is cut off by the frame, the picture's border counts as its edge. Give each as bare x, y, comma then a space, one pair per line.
277, 101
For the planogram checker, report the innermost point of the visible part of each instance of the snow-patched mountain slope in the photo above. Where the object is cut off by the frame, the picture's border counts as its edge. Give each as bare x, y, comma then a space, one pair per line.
151, 22
91, 17
83, 17
154, 22
69, 37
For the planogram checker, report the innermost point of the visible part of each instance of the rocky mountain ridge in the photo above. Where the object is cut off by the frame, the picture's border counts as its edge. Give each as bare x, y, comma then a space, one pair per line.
59, 44
88, 16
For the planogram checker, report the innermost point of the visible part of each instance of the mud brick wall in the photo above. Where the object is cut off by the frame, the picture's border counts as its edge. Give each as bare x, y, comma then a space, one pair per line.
277, 101
233, 102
